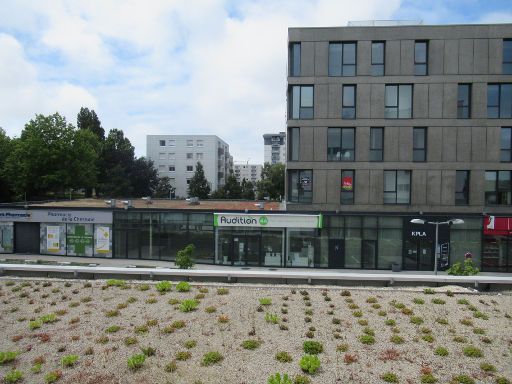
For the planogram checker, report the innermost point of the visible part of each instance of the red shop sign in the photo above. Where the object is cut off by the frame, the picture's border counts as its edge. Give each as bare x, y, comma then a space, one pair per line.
497, 225
346, 183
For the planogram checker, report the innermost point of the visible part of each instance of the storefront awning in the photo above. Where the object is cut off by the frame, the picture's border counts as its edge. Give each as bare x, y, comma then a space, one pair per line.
497, 225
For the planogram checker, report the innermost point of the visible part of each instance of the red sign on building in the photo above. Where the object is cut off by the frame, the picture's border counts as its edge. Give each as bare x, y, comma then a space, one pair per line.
497, 225
346, 183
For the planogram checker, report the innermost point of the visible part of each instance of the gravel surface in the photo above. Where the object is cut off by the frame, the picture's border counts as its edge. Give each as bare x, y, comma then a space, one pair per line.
82, 314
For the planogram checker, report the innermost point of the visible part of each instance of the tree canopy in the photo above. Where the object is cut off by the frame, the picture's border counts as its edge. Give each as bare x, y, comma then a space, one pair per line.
271, 184
199, 186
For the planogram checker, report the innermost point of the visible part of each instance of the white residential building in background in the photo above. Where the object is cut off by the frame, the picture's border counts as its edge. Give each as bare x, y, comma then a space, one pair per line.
176, 157
249, 172
275, 148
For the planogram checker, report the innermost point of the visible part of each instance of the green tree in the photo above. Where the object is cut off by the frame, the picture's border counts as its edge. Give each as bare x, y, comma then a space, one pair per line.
143, 177
6, 145
83, 160
199, 186
232, 188
87, 119
272, 181
247, 190
164, 188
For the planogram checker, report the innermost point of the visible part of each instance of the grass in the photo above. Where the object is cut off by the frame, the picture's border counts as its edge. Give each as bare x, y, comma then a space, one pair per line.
462, 379
52, 377
472, 351
442, 320
211, 358
69, 360
178, 324
251, 344
265, 301
441, 351
190, 344
271, 318
427, 378
312, 347
136, 362
283, 357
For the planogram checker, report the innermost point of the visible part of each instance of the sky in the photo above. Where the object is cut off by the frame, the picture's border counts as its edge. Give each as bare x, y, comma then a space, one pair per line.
178, 66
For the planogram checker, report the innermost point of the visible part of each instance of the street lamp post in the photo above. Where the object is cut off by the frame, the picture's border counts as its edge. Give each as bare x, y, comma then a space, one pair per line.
437, 224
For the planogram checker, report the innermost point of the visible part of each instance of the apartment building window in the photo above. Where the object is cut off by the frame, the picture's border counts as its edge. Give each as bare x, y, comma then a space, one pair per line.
347, 187
464, 101
171, 156
190, 155
378, 54
295, 59
300, 184
190, 143
462, 188
162, 143
342, 59
397, 187
348, 110
161, 168
293, 144
172, 168
376, 144
498, 188
506, 145
499, 101
199, 156
421, 58
190, 168
200, 143
419, 144
398, 101
341, 144
507, 57
172, 143
162, 156
302, 102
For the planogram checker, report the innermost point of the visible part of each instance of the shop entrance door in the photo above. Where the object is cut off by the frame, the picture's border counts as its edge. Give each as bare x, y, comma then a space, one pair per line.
239, 249
26, 238
419, 255
336, 253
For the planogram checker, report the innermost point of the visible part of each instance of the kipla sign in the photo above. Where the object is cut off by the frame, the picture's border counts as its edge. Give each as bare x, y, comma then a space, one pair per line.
269, 221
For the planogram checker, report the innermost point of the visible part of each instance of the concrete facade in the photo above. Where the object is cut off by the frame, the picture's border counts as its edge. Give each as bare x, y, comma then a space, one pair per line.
178, 156
274, 148
456, 54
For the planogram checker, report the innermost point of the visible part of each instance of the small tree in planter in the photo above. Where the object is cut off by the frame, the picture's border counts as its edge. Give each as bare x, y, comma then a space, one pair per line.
184, 258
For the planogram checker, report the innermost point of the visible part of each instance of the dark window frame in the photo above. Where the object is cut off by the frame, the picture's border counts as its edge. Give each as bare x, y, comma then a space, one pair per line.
397, 106
292, 156
301, 113
347, 195
295, 65
462, 196
173, 168
498, 106
350, 109
395, 190
464, 111
419, 150
421, 64
375, 65
506, 63
299, 187
343, 64
160, 142
377, 150
190, 170
496, 191
506, 152
342, 146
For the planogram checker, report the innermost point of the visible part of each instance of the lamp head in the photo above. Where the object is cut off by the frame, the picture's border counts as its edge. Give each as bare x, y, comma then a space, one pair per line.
457, 221
418, 221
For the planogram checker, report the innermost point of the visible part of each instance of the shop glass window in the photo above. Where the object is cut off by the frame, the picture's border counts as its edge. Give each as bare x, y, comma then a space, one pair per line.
421, 58
376, 144
347, 187
397, 187
295, 59
464, 101
498, 190
462, 188
419, 144
348, 110
342, 59
506, 144
499, 101
378, 54
398, 101
300, 186
341, 144
301, 102
293, 144
507, 57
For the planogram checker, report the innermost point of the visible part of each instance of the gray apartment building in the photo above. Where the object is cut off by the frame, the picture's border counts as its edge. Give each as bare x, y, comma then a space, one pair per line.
274, 148
249, 172
176, 157
386, 124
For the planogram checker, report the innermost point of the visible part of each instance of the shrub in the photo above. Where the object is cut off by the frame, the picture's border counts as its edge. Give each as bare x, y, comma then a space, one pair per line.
342, 347
271, 318
265, 301
190, 344
183, 355
345, 293
312, 347
210, 309
367, 339
183, 286
13, 376
69, 360
309, 363
178, 324
390, 322
428, 378
171, 366
164, 286
418, 300
463, 379
416, 320
283, 357
116, 283
130, 341
113, 329
222, 291
389, 377
7, 357
184, 257
136, 361
472, 351
189, 305
437, 300
487, 367
277, 379
251, 344
210, 358
465, 269
52, 377
396, 339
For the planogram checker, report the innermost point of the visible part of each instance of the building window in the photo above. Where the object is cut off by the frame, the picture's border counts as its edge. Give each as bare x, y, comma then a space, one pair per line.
188, 181
342, 59
293, 144
464, 101
190, 155
506, 145
161, 168
199, 156
172, 143
162, 156
347, 187
295, 59
421, 58
397, 187
172, 168
190, 143
419, 144
341, 144
200, 143
300, 185
162, 143
498, 190
348, 110
507, 57
398, 101
171, 156
302, 102
190, 168
499, 101
462, 188
376, 144
378, 54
